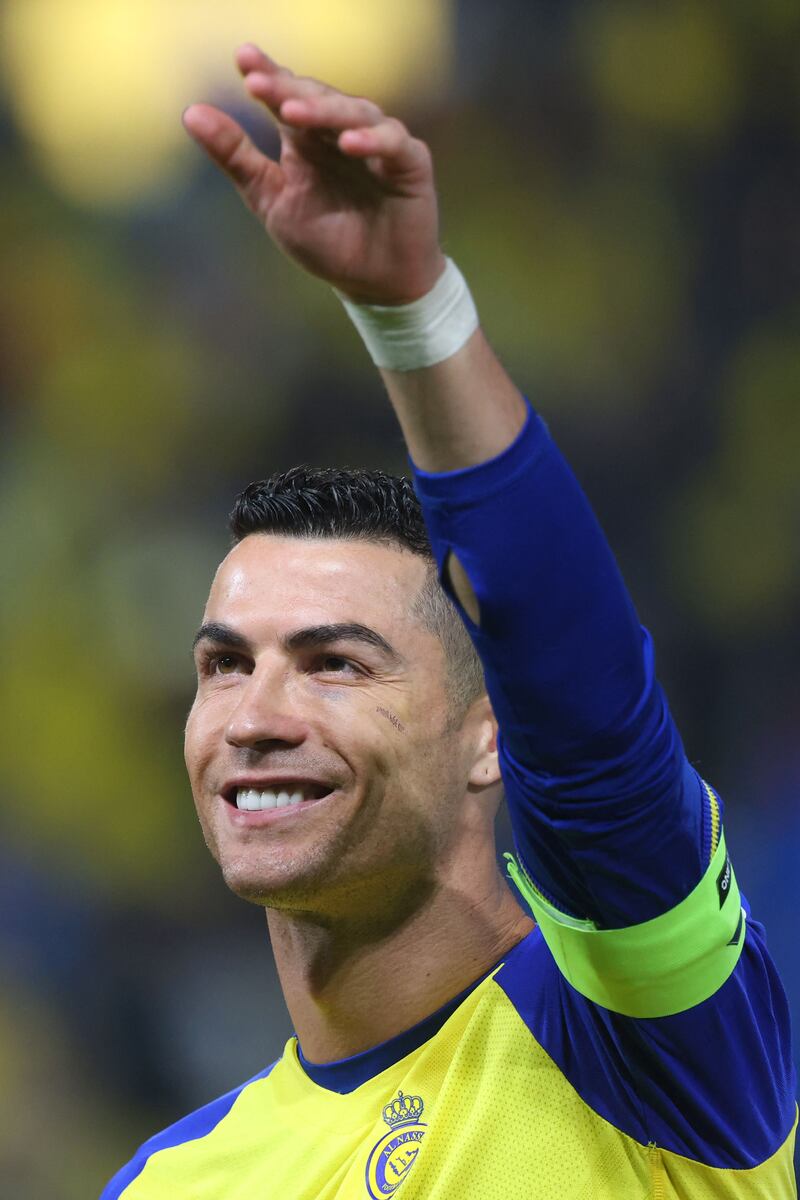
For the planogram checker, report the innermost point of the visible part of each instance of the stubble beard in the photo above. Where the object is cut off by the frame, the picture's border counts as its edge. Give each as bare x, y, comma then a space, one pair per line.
362, 871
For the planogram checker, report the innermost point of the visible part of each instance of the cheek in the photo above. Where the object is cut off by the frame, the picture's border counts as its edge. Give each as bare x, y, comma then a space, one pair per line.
430, 762
204, 728
410, 751
357, 729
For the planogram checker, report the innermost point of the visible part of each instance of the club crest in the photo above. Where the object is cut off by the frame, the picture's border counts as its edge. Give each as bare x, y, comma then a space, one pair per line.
392, 1157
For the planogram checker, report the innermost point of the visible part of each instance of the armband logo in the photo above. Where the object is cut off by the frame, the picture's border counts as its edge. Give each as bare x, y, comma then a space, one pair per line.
393, 1155
724, 881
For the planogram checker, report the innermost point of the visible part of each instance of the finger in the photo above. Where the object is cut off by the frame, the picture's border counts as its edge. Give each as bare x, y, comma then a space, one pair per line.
330, 110
256, 176
388, 143
250, 57
275, 88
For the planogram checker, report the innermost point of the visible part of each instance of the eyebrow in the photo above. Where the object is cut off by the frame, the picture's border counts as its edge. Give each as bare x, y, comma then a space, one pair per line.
302, 639
213, 631
351, 631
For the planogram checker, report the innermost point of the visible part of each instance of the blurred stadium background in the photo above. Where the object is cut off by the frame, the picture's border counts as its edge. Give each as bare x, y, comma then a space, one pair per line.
621, 185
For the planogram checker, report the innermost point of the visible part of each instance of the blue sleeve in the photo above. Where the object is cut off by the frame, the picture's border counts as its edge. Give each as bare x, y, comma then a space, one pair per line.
610, 819
608, 816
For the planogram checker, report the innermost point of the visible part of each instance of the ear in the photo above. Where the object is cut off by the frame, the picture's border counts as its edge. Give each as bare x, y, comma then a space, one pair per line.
485, 769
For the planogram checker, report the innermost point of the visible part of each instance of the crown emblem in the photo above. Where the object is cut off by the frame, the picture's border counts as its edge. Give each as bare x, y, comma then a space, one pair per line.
403, 1109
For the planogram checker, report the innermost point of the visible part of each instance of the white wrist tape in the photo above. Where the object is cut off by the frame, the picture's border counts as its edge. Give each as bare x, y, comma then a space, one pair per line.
406, 337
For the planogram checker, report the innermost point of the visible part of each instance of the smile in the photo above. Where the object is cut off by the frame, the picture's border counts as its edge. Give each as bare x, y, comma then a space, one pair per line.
263, 795
254, 800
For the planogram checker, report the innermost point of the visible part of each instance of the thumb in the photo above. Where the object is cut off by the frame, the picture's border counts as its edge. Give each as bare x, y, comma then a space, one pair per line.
257, 177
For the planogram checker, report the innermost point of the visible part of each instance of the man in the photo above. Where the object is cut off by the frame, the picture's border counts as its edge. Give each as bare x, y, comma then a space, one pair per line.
346, 765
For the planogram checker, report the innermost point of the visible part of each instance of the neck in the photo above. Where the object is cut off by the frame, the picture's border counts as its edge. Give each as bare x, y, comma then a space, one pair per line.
349, 986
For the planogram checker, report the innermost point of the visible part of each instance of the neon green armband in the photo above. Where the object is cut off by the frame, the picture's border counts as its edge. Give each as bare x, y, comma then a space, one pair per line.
660, 967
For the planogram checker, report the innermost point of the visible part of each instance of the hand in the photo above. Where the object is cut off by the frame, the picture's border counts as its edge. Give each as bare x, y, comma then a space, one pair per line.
351, 198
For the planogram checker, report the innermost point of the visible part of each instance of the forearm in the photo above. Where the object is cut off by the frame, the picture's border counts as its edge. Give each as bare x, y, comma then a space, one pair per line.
607, 815
513, 534
587, 739
556, 629
459, 412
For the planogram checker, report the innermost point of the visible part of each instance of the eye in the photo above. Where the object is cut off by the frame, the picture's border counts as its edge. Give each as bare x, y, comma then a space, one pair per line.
224, 664
334, 664
215, 663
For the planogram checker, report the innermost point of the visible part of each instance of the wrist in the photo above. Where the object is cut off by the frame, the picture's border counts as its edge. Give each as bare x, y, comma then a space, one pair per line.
423, 283
426, 331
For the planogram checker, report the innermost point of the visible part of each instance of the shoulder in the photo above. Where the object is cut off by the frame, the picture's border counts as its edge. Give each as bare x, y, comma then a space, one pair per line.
189, 1128
714, 1083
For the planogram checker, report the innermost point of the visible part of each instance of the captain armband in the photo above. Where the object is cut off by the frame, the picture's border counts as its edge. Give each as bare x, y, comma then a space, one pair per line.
659, 967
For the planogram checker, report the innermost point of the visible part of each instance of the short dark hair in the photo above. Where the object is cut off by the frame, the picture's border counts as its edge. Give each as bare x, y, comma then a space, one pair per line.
371, 506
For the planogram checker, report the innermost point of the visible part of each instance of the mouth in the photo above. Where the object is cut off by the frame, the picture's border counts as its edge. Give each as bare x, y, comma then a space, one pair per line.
288, 794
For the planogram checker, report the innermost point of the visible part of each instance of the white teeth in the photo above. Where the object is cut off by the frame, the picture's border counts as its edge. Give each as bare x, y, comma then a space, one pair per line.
254, 800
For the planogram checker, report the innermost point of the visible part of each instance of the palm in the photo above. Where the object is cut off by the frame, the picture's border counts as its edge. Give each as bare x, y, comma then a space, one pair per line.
342, 222
351, 198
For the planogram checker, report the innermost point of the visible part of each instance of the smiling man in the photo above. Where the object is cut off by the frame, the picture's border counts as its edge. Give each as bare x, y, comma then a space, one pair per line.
327, 719
351, 733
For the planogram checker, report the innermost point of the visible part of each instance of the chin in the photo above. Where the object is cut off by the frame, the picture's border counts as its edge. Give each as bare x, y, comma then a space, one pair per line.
273, 886
257, 887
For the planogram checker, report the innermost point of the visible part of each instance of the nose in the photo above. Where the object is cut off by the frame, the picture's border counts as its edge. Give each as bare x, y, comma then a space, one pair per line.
266, 714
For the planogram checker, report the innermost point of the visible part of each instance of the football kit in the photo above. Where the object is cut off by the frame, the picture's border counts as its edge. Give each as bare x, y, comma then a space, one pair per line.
636, 1044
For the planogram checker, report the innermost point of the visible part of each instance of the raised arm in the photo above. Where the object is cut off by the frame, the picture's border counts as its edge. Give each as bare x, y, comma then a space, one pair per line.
352, 200
586, 737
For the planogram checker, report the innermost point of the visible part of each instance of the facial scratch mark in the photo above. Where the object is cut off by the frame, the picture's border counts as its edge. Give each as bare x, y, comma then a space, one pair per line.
390, 716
